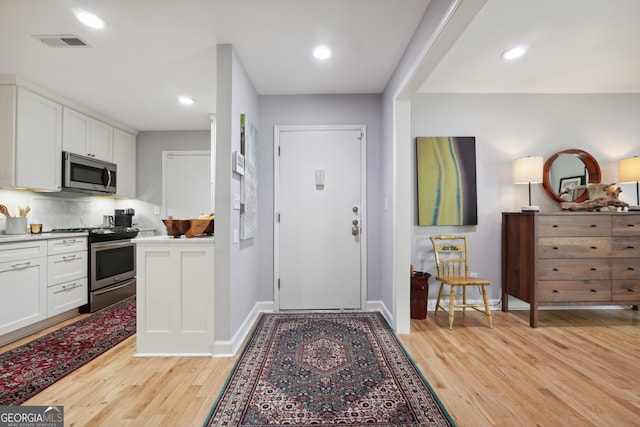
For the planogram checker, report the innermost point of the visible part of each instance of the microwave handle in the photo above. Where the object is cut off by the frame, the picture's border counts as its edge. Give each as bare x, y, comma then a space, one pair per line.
108, 177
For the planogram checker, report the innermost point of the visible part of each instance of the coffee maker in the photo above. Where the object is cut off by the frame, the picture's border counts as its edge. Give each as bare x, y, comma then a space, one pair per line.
124, 217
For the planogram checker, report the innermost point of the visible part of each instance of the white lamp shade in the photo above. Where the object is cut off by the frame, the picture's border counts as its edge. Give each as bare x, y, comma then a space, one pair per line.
527, 170
629, 169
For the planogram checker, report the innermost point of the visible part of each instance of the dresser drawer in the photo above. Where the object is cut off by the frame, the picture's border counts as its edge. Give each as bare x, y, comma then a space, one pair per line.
574, 291
625, 225
570, 225
626, 247
574, 247
625, 290
625, 268
571, 269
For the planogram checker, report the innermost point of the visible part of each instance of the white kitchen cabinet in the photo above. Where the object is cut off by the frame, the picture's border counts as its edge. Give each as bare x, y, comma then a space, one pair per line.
30, 141
23, 284
66, 274
174, 296
124, 156
87, 136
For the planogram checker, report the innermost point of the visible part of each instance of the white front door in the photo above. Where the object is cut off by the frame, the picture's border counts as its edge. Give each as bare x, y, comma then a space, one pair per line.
320, 200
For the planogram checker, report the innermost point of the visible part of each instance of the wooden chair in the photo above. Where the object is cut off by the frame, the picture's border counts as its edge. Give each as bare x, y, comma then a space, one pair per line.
452, 263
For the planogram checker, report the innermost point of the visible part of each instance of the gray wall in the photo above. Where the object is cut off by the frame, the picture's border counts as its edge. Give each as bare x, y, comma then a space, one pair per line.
510, 126
321, 110
149, 148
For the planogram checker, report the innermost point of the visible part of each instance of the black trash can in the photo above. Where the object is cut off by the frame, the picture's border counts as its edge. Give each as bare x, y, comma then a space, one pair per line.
419, 294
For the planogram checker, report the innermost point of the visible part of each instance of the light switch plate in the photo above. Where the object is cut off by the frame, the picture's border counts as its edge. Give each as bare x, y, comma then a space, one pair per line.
236, 201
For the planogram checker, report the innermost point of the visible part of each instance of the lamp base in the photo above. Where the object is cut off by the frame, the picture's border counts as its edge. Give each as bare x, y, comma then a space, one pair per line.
634, 208
531, 208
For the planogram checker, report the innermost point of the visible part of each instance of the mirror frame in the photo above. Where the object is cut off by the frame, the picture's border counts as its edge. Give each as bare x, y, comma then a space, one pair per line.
589, 162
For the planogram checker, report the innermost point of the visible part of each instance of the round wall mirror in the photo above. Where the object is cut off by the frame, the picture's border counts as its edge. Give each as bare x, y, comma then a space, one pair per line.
567, 173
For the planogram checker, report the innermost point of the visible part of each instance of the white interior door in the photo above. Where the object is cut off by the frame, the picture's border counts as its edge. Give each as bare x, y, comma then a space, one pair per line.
319, 235
186, 184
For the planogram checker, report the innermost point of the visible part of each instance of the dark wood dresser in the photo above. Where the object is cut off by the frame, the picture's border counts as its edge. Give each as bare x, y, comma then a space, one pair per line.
570, 258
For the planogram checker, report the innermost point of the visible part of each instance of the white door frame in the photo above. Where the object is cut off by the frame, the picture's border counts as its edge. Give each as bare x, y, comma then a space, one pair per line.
363, 203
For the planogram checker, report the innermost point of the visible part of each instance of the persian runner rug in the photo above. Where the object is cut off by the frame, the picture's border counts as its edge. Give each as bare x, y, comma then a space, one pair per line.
27, 370
326, 369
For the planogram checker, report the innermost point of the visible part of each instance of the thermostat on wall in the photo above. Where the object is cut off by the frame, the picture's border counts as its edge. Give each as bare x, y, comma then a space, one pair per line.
238, 163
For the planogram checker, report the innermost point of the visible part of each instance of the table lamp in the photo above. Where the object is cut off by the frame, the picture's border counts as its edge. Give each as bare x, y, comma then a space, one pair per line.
629, 171
528, 170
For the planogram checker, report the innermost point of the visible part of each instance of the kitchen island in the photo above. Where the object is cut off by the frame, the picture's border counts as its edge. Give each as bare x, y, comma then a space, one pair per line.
174, 296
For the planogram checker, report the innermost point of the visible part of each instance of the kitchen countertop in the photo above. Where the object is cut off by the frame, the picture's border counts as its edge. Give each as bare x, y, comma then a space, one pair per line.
173, 240
7, 238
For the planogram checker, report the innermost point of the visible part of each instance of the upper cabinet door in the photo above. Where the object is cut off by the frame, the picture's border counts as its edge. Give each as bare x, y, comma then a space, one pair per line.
76, 132
38, 142
87, 136
124, 156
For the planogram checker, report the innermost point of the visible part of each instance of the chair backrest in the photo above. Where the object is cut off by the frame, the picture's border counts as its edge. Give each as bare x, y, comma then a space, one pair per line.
451, 255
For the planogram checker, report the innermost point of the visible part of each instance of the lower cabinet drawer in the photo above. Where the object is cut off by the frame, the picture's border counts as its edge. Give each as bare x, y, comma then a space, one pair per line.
66, 267
66, 296
625, 291
625, 268
567, 269
574, 291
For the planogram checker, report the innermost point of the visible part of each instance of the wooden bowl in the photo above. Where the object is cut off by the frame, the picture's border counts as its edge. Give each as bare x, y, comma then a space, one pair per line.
177, 227
200, 226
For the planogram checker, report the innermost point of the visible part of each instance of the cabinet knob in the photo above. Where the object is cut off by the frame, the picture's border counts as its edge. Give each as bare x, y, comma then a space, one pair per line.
594, 247
630, 268
630, 290
593, 225
555, 291
556, 269
594, 291
555, 225
555, 248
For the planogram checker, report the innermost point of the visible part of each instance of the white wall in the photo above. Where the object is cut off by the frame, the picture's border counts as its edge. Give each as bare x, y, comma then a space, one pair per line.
236, 264
510, 126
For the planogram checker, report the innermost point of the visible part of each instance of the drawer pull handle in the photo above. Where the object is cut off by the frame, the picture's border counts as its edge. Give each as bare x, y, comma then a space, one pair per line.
594, 269
21, 265
556, 269
555, 291
631, 225
593, 225
631, 247
594, 291
555, 225
630, 290
594, 247
555, 248
630, 268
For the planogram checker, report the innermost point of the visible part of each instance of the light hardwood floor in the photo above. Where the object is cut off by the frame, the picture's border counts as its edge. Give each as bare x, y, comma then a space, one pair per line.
579, 368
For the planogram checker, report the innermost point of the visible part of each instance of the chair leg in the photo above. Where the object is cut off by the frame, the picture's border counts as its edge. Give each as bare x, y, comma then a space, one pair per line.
464, 301
452, 305
487, 309
438, 300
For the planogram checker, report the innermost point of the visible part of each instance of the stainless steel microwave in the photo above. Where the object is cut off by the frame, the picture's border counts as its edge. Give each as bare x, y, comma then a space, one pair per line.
86, 174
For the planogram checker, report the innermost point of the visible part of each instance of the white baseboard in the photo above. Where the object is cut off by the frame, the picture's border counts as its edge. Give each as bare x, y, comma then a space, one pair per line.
230, 348
382, 308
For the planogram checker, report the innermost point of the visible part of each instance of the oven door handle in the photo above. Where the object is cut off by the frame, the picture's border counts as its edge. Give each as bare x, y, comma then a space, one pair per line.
113, 288
115, 243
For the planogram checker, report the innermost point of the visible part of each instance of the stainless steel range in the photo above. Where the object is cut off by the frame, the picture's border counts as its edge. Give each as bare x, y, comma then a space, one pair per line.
112, 265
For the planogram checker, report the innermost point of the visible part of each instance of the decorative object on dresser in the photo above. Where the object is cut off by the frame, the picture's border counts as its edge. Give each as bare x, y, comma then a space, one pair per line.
609, 200
570, 259
452, 262
528, 170
629, 171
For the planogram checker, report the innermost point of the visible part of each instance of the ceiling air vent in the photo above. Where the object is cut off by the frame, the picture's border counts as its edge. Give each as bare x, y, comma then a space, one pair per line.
62, 40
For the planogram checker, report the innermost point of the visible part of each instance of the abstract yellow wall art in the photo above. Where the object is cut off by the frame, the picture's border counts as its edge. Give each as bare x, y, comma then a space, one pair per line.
446, 169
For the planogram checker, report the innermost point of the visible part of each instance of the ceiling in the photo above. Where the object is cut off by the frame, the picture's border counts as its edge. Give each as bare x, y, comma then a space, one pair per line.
153, 51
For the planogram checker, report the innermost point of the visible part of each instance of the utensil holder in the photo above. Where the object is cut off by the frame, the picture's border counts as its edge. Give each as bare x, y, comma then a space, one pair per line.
16, 225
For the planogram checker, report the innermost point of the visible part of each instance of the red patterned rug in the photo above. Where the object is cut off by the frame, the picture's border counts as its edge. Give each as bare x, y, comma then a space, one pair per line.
326, 369
32, 367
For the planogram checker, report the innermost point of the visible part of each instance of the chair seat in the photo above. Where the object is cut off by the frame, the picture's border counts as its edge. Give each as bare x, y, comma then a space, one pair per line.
463, 281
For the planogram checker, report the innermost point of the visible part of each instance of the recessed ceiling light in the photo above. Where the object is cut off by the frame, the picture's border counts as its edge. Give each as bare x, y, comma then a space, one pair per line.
89, 19
185, 100
513, 53
322, 52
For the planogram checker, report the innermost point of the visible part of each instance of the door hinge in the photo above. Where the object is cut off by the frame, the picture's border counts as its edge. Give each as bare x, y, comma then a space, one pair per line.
278, 284
361, 135
278, 150
277, 216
